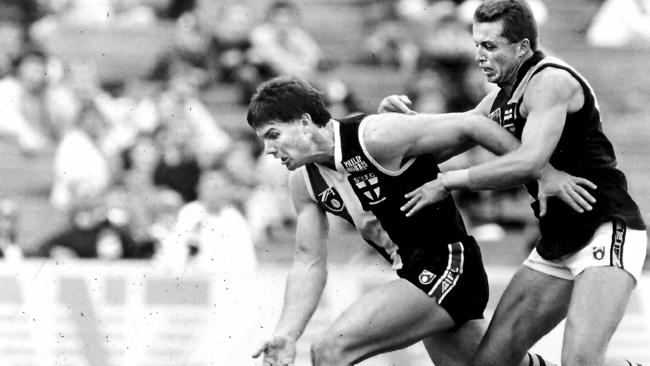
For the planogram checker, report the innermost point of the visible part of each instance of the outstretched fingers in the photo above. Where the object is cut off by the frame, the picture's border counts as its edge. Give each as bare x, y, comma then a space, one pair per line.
578, 187
585, 182
396, 104
414, 199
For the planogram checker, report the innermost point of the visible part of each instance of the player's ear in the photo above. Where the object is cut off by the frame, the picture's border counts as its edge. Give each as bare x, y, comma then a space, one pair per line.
524, 46
305, 119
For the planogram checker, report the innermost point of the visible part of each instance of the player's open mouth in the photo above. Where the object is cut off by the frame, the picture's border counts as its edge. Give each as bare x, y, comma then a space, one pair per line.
284, 161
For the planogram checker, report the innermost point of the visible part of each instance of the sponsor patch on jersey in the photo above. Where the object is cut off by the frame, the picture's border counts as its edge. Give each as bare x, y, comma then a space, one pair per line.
426, 277
368, 184
508, 121
331, 199
355, 164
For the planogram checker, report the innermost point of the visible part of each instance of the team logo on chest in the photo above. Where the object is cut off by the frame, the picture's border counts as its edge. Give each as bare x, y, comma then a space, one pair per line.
331, 199
368, 185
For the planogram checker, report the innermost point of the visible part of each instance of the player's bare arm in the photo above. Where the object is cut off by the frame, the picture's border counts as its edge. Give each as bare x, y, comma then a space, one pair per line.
392, 138
550, 96
306, 279
552, 182
546, 102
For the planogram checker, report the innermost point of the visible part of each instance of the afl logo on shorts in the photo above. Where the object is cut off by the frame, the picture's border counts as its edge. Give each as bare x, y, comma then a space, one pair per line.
426, 277
331, 200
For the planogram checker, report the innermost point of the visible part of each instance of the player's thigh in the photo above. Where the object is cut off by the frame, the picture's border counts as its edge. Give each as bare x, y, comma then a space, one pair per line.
606, 271
390, 317
456, 346
531, 306
600, 297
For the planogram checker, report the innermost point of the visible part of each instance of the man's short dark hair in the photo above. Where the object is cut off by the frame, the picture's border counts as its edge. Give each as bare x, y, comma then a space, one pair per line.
518, 19
285, 99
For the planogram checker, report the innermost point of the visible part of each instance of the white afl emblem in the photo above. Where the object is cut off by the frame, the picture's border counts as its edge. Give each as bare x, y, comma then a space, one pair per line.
426, 277
331, 199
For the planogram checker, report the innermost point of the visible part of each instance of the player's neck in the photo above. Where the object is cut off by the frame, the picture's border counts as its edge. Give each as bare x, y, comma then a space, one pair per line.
508, 85
324, 144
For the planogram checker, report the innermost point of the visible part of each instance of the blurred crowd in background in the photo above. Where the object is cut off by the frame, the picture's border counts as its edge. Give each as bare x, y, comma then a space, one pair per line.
142, 168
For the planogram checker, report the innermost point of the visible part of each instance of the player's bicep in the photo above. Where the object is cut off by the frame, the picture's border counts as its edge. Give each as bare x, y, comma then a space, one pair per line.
394, 136
460, 132
546, 101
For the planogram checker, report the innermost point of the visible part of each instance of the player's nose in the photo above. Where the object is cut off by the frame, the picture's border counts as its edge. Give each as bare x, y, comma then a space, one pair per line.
479, 55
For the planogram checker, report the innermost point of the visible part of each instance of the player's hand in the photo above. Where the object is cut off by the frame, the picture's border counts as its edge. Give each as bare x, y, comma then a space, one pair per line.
396, 104
568, 188
427, 194
278, 351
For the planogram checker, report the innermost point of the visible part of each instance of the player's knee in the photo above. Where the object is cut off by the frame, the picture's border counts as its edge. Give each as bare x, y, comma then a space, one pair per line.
327, 351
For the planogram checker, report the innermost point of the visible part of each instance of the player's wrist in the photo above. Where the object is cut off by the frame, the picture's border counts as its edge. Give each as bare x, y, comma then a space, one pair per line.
287, 336
455, 179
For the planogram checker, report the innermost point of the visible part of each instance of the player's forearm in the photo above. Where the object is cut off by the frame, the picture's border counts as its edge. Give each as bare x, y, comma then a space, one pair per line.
502, 173
304, 288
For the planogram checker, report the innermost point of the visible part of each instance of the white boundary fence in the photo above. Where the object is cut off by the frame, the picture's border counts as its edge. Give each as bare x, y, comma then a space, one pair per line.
132, 313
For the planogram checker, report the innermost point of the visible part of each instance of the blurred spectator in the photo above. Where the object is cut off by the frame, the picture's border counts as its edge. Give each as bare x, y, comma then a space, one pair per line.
96, 13
262, 187
33, 110
621, 23
147, 211
241, 164
230, 41
23, 12
280, 46
188, 55
267, 208
391, 42
91, 234
9, 247
178, 167
173, 9
12, 42
445, 69
82, 169
180, 104
211, 232
340, 99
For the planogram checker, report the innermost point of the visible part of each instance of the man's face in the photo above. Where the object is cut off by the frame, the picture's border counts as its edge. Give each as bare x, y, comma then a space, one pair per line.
288, 142
497, 57
32, 72
215, 190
